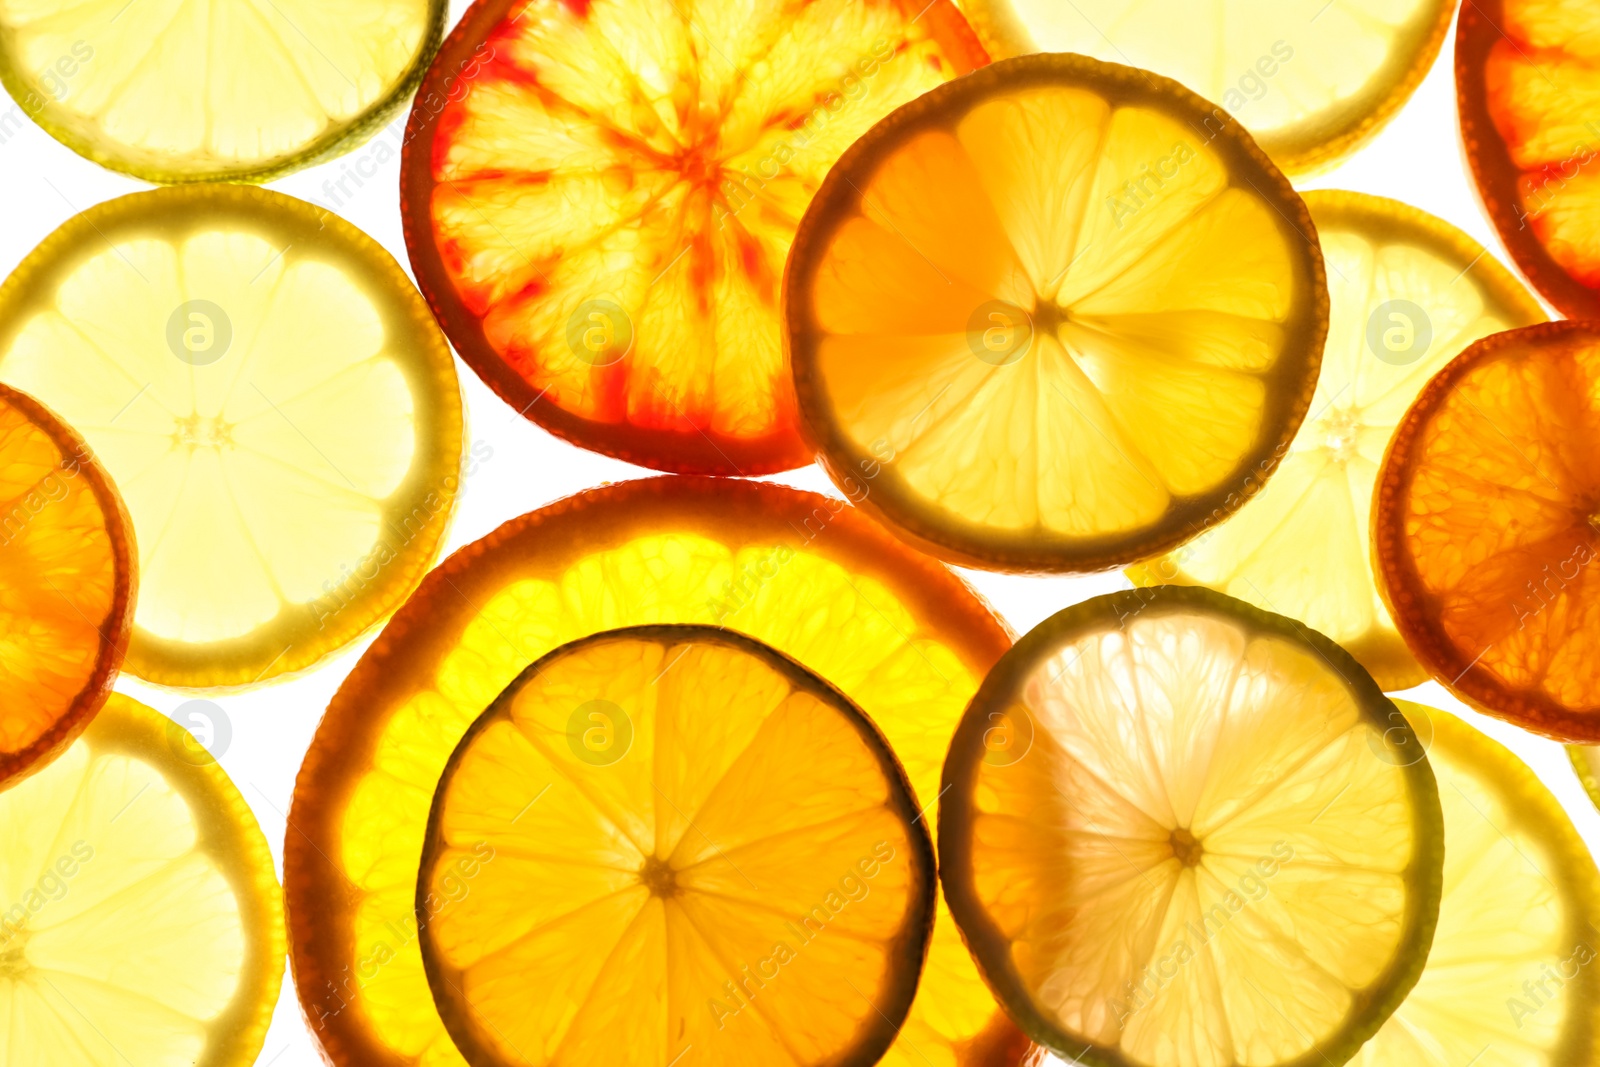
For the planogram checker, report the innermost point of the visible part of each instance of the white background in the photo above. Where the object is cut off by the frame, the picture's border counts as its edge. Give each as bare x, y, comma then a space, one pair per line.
1417, 159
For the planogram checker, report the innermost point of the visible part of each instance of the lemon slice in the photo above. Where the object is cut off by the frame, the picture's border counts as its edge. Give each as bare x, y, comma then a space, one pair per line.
1509, 979
143, 923
900, 635
679, 841
274, 402
190, 90
1313, 80
1056, 314
1222, 847
1407, 292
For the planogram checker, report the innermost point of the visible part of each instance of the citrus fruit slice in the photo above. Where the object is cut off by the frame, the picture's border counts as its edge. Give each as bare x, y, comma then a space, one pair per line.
142, 921
1313, 80
598, 198
276, 406
1058, 312
1222, 847
712, 848
900, 635
190, 90
1407, 292
66, 585
1508, 979
1526, 75
1485, 531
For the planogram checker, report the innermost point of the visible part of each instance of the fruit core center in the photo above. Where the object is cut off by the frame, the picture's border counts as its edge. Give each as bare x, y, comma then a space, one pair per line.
13, 961
1339, 432
1185, 847
658, 876
198, 431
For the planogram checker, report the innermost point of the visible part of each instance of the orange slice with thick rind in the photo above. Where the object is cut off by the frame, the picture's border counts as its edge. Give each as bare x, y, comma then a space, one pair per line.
599, 195
1486, 528
1527, 82
1055, 315
680, 842
67, 580
900, 635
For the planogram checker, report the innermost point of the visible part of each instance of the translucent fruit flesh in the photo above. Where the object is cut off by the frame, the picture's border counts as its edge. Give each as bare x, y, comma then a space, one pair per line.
725, 860
187, 90
1407, 292
900, 635
144, 921
1056, 325
1509, 980
275, 403
1485, 532
1216, 849
66, 585
601, 211
1312, 80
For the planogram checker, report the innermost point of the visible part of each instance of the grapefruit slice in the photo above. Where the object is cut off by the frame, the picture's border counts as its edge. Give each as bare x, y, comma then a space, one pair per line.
900, 635
598, 198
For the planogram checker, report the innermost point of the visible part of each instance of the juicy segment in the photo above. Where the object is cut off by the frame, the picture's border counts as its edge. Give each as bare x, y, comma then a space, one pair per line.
615, 191
186, 89
1406, 294
1309, 78
1510, 974
136, 930
728, 866
1095, 344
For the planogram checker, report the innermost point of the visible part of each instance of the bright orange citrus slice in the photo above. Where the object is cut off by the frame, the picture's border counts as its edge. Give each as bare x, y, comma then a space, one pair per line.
66, 585
143, 923
1486, 530
1223, 846
900, 635
276, 404
1527, 72
599, 195
1057, 314
679, 842
1407, 292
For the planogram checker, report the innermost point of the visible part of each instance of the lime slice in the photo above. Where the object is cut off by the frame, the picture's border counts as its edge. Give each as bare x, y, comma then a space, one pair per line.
191, 90
1221, 847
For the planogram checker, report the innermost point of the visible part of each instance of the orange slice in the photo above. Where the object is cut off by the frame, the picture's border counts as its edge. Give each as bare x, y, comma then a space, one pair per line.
900, 635
1223, 847
734, 867
1527, 78
1487, 528
1058, 314
598, 197
66, 585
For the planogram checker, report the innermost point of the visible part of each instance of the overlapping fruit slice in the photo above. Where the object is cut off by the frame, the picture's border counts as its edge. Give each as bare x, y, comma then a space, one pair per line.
599, 196
275, 403
901, 636
1313, 80
142, 922
1060, 312
1510, 977
1486, 531
66, 585
1527, 77
1223, 845
679, 842
189, 90
1407, 293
